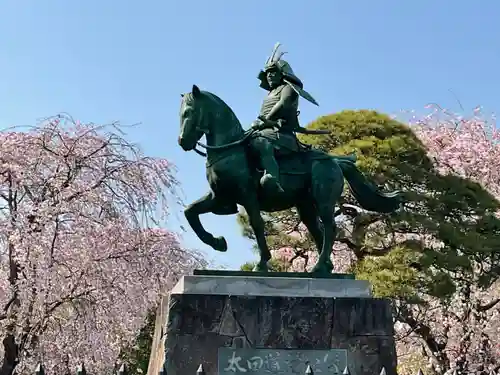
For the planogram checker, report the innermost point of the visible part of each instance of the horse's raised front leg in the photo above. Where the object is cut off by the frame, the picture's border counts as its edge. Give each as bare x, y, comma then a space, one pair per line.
204, 205
251, 205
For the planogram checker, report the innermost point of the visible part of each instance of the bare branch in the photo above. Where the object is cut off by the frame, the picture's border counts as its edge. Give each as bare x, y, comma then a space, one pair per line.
489, 305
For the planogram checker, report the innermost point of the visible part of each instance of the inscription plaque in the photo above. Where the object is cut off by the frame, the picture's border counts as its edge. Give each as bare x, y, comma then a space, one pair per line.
280, 361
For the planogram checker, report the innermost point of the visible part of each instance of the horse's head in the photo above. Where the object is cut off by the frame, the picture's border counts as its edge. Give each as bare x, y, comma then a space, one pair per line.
203, 113
194, 118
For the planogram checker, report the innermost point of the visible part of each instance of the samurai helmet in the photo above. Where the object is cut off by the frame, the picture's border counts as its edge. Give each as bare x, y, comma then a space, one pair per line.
274, 62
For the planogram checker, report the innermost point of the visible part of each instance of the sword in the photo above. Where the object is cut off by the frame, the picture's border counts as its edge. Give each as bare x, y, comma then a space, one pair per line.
302, 130
298, 129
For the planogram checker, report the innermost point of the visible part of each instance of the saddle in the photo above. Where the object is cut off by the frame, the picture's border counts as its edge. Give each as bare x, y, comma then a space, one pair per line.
280, 139
291, 154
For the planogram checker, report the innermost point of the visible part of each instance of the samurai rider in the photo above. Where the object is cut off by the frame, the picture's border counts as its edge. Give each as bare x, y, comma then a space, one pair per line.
281, 108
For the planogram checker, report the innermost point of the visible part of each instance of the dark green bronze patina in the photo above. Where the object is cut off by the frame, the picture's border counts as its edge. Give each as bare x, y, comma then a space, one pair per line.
266, 169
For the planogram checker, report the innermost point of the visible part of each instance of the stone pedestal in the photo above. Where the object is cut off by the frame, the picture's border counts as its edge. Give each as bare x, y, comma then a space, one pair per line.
277, 325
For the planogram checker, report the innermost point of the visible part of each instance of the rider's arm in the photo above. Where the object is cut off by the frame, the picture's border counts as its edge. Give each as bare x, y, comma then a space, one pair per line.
287, 99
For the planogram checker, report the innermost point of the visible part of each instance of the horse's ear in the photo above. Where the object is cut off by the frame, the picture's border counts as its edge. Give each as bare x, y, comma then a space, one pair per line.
196, 91
182, 95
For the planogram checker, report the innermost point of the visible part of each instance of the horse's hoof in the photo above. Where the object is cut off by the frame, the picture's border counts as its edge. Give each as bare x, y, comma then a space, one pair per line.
261, 267
329, 265
322, 268
219, 244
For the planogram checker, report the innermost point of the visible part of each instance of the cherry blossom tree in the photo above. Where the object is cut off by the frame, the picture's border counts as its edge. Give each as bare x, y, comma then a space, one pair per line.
466, 326
83, 257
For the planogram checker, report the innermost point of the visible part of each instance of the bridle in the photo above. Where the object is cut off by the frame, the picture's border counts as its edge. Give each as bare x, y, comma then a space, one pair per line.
206, 130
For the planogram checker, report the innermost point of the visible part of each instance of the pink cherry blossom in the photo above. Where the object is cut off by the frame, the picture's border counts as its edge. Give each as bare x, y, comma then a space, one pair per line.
465, 146
83, 254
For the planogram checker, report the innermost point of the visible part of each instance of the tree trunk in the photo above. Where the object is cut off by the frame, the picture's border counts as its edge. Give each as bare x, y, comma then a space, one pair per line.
11, 348
10, 356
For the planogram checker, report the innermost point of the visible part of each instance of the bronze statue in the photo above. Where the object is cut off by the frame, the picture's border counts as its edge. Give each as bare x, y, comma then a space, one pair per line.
241, 166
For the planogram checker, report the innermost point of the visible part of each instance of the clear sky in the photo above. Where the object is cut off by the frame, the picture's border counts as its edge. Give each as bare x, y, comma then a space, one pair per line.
128, 60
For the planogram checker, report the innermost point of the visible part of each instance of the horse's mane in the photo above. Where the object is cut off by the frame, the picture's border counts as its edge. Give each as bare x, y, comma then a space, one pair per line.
223, 104
218, 107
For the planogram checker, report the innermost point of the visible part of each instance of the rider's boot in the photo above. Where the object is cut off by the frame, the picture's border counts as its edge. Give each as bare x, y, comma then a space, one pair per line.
270, 181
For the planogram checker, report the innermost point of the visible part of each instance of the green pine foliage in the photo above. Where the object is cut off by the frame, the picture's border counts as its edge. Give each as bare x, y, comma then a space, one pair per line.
136, 357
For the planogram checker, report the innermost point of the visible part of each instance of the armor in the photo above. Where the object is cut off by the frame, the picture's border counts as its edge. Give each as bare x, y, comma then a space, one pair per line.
288, 114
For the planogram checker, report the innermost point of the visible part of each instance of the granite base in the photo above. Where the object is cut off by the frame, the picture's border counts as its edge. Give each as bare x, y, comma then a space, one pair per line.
272, 286
202, 319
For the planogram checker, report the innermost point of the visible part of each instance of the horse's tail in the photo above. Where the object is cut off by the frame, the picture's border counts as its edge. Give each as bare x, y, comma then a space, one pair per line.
366, 193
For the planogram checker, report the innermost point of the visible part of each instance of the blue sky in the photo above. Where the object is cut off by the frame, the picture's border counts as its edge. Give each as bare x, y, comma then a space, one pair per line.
129, 60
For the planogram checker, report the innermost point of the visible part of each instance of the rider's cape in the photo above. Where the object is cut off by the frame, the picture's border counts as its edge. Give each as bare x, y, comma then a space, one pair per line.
303, 93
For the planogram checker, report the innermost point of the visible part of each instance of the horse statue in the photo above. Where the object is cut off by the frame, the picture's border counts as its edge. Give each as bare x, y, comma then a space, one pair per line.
312, 180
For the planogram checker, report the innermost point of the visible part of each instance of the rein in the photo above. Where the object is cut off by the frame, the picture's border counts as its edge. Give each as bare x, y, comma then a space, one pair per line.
250, 132
247, 134
201, 153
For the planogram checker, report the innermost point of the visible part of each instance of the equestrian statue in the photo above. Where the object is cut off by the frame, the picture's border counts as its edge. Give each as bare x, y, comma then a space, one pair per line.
266, 168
